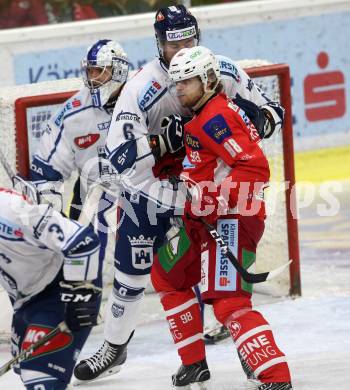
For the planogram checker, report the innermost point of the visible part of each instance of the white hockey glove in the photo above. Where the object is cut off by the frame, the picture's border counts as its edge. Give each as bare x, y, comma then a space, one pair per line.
82, 302
50, 192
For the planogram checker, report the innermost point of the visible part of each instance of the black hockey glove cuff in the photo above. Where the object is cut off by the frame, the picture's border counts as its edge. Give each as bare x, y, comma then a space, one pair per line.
82, 302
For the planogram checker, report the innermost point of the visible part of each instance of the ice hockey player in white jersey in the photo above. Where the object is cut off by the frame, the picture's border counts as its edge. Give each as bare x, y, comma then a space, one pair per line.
143, 142
48, 265
75, 136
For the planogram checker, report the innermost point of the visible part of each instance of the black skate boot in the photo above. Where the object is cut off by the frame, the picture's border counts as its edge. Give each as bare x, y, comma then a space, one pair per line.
276, 386
196, 373
106, 361
257, 385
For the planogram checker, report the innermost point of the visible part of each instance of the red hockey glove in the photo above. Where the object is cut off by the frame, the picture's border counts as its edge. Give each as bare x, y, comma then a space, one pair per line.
210, 206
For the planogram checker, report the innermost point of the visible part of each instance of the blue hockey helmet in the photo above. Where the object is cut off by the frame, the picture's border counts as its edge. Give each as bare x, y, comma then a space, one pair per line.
174, 23
111, 60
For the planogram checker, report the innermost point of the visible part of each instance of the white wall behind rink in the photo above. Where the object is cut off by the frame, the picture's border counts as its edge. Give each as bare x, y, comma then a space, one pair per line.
303, 33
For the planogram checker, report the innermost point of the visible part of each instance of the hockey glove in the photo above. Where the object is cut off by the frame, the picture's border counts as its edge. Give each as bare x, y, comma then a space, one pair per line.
210, 206
269, 124
82, 302
172, 139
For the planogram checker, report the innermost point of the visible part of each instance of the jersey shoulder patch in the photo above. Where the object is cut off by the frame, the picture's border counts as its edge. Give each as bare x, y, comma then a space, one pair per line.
217, 129
228, 68
150, 94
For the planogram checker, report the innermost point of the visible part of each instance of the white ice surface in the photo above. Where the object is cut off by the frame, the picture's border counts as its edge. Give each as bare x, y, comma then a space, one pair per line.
313, 331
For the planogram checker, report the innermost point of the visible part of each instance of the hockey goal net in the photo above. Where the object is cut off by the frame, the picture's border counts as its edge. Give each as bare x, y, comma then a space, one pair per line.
25, 109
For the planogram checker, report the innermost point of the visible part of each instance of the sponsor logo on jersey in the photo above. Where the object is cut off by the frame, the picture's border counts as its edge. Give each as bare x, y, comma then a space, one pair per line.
141, 251
217, 129
225, 273
128, 116
192, 142
103, 125
85, 141
35, 332
10, 231
230, 69
117, 310
68, 106
149, 94
178, 35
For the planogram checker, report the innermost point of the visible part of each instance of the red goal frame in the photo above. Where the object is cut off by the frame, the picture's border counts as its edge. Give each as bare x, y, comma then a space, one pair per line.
279, 70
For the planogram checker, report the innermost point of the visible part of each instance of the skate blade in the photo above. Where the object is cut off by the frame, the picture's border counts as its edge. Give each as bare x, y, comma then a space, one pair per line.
196, 386
110, 371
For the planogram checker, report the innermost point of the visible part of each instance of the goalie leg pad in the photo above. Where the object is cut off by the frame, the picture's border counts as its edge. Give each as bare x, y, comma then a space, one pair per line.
260, 356
184, 317
123, 306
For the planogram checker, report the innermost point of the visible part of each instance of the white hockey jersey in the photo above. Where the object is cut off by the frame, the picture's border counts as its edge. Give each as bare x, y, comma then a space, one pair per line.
143, 102
35, 242
74, 139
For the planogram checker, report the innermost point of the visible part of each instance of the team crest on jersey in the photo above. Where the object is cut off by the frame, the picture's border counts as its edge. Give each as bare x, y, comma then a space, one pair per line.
217, 129
234, 328
10, 231
141, 251
117, 310
150, 94
35, 332
85, 141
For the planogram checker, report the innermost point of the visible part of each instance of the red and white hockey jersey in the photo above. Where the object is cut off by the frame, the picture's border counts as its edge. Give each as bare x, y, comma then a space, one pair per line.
222, 146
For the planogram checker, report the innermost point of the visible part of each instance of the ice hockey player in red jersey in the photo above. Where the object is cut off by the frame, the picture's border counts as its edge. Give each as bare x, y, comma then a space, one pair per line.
227, 172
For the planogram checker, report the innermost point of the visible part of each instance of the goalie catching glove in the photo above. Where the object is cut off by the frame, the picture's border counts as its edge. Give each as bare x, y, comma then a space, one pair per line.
172, 139
82, 302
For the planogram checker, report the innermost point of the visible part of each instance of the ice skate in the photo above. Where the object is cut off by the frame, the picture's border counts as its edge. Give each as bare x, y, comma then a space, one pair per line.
193, 376
257, 385
106, 361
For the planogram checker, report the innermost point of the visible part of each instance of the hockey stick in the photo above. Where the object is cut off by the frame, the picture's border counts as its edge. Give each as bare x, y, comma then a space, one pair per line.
246, 276
27, 353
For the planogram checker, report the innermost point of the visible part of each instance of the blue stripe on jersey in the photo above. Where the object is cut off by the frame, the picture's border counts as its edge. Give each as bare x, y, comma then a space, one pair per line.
61, 130
128, 291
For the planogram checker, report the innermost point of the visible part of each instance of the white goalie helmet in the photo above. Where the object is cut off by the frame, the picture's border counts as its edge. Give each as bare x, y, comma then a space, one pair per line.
104, 69
195, 61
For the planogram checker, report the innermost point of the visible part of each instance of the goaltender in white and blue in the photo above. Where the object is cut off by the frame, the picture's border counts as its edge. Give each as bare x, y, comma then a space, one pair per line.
48, 267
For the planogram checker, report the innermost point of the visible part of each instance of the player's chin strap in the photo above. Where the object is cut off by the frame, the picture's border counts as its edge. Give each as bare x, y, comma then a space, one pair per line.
28, 353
